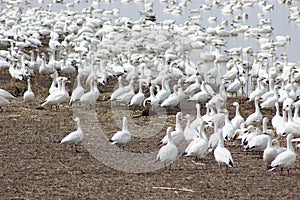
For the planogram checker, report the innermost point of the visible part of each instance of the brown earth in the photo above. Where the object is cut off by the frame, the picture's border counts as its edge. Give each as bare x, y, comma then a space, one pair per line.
35, 166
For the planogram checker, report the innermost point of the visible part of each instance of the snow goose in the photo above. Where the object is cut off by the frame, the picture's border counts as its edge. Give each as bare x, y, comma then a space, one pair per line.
256, 117
189, 132
28, 95
91, 96
54, 85
168, 152
45, 69
121, 90
57, 97
288, 101
5, 94
177, 134
173, 100
285, 159
270, 93
228, 130
259, 90
260, 141
276, 119
269, 102
196, 122
238, 119
296, 112
123, 136
152, 98
75, 136
235, 86
270, 151
201, 97
222, 154
207, 116
193, 88
138, 98
77, 92
165, 92
199, 145
291, 127
220, 98
252, 132
214, 138
127, 96
276, 144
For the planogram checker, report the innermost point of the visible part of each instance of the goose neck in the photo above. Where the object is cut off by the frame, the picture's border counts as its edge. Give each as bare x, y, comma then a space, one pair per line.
290, 118
198, 111
124, 126
289, 144
269, 144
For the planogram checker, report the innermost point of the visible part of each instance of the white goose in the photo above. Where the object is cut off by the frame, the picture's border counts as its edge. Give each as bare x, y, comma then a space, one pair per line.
196, 122
152, 98
256, 117
177, 134
119, 90
199, 145
193, 88
269, 102
238, 119
173, 100
291, 127
235, 86
5, 94
259, 142
75, 136
276, 119
91, 96
202, 96
259, 90
127, 96
214, 138
296, 117
165, 92
168, 152
138, 98
123, 136
222, 154
228, 130
54, 85
77, 92
28, 95
57, 97
270, 151
285, 159
189, 132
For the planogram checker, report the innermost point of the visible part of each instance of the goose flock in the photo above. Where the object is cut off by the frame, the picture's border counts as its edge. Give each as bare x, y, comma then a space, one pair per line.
150, 59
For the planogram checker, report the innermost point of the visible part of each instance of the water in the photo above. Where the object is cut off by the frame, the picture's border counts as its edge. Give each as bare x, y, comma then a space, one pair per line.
278, 16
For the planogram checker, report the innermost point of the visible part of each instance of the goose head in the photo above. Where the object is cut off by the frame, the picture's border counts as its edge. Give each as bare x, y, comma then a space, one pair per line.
235, 103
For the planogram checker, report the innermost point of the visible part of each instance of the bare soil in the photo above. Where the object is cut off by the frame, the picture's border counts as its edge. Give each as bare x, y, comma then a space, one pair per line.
35, 166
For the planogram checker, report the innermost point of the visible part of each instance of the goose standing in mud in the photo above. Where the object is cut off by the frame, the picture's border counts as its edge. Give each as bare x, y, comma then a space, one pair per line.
75, 136
167, 153
28, 95
177, 135
222, 154
285, 159
123, 136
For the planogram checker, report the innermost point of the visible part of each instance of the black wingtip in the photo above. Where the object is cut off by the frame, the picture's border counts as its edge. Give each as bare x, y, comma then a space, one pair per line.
230, 163
184, 153
270, 168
